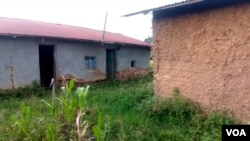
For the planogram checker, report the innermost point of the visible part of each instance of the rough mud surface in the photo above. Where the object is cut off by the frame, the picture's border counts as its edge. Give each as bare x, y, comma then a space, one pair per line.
207, 56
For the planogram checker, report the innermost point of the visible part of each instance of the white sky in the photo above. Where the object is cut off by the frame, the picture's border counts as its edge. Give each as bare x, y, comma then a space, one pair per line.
87, 13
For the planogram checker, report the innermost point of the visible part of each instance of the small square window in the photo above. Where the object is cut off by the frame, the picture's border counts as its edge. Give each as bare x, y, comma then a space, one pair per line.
132, 64
90, 62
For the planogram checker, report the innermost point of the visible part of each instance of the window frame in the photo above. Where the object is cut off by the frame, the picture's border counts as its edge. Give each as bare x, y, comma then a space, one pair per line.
88, 64
132, 63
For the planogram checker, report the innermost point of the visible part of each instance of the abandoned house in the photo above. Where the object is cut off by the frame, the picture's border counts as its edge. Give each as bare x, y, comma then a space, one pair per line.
202, 47
32, 50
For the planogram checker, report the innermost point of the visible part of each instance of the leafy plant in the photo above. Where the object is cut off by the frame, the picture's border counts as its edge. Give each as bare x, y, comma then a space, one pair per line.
53, 117
100, 129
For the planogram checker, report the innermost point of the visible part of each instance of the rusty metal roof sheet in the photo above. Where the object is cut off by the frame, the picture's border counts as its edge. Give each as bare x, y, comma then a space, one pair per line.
21, 27
184, 2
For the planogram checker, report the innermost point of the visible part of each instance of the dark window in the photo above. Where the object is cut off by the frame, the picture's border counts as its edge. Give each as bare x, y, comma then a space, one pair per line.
90, 62
132, 65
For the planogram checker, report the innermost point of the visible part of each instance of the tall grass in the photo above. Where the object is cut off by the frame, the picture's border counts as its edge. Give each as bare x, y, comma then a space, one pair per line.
111, 111
33, 89
133, 112
56, 119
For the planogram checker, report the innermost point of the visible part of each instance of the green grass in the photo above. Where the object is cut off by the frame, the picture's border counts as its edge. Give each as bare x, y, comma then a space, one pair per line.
128, 110
39, 117
132, 112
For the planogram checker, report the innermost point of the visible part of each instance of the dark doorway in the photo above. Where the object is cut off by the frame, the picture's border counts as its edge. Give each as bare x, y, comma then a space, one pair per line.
111, 63
46, 62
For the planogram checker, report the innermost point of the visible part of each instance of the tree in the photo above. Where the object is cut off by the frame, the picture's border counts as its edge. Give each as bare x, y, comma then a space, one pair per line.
149, 40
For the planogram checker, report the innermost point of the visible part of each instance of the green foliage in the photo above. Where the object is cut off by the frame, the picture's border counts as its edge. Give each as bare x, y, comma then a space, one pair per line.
133, 112
54, 119
112, 110
100, 129
34, 89
149, 40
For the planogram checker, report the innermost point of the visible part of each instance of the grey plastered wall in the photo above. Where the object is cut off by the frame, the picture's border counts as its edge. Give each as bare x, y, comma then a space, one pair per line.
70, 58
22, 55
126, 54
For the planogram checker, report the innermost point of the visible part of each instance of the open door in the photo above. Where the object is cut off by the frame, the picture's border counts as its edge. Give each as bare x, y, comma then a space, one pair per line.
111, 63
46, 63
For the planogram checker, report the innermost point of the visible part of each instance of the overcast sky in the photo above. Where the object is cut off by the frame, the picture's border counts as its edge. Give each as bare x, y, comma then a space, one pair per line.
87, 13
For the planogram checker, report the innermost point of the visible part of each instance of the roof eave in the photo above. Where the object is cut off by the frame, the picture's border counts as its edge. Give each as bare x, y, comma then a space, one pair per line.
75, 39
163, 7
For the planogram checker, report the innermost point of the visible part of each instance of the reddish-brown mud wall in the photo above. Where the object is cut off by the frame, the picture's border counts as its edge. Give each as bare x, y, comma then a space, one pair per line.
207, 56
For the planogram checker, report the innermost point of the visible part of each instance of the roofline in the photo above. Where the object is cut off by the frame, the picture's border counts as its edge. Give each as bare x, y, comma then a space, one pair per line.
111, 38
53, 23
73, 39
163, 7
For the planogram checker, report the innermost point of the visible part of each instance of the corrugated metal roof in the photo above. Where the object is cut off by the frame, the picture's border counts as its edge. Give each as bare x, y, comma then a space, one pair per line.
21, 27
184, 2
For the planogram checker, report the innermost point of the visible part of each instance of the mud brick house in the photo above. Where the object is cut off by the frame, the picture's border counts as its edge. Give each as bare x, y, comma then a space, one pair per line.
202, 47
32, 50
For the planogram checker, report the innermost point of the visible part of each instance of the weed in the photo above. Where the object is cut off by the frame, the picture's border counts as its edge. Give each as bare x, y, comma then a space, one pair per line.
134, 113
97, 129
112, 110
53, 117
34, 89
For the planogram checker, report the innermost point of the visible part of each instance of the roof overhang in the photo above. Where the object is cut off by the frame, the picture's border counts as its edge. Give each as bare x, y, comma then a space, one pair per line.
183, 3
188, 6
73, 39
